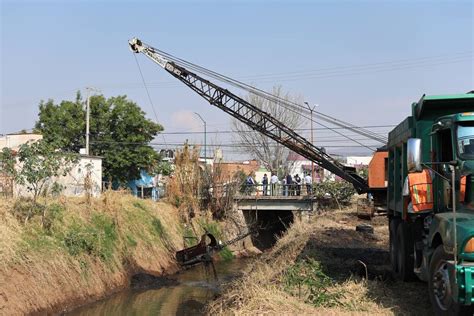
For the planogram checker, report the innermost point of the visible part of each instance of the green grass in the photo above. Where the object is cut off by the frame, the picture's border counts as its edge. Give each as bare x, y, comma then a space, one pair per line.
97, 238
226, 254
158, 227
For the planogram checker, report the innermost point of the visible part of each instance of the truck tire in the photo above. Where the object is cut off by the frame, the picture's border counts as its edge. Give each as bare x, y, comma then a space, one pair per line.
392, 226
405, 251
439, 287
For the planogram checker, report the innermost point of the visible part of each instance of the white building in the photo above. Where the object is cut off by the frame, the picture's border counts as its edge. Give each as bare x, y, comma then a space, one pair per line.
301, 166
358, 161
87, 171
14, 141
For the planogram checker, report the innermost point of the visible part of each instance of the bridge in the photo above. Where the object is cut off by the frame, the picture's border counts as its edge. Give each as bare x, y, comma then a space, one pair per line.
275, 203
280, 197
274, 213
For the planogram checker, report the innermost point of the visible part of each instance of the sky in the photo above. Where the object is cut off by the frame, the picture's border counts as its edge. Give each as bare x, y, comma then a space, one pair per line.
363, 62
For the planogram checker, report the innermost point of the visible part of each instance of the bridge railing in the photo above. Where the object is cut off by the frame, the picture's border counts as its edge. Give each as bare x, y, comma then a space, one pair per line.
277, 189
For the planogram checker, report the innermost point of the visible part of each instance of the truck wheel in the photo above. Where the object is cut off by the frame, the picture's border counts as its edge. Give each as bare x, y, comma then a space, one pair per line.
405, 250
393, 225
440, 292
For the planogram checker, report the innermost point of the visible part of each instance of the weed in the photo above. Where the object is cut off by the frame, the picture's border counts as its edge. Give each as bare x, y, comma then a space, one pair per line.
131, 242
226, 254
140, 205
158, 227
25, 208
190, 238
37, 239
97, 238
53, 215
307, 279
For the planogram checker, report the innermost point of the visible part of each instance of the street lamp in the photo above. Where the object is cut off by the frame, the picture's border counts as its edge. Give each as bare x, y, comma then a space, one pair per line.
205, 135
311, 110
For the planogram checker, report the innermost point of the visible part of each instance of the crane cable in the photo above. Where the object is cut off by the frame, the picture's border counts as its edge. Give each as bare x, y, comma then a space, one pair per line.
148, 94
295, 107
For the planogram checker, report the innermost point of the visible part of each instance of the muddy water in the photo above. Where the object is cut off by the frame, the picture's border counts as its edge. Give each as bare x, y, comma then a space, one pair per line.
185, 293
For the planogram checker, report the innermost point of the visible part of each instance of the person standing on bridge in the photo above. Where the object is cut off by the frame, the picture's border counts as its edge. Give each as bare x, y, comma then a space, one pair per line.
298, 184
309, 184
265, 184
250, 182
274, 181
289, 185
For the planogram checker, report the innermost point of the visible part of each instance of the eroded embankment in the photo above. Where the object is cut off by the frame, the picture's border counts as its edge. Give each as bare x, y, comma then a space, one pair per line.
80, 253
320, 268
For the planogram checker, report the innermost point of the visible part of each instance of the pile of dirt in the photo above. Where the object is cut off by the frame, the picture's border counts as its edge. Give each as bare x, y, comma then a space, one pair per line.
349, 273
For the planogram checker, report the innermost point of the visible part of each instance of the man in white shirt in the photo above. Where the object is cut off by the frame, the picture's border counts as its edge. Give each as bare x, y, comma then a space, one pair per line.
309, 184
274, 182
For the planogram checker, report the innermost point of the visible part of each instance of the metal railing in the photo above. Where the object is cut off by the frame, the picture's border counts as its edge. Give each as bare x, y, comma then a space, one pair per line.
277, 189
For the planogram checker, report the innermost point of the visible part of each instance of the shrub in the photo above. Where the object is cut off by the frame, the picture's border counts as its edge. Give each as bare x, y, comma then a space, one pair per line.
54, 214
340, 191
307, 279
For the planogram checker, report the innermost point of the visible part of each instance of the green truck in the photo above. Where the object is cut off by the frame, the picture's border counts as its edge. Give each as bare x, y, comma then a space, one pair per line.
436, 246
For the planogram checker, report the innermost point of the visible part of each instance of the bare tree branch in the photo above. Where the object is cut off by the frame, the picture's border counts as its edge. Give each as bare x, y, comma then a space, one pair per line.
270, 153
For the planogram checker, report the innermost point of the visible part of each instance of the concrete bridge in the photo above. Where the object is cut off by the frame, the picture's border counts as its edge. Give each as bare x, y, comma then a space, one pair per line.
274, 214
302, 203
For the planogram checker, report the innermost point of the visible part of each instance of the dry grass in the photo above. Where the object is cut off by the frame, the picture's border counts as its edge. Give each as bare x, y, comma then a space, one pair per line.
332, 241
88, 251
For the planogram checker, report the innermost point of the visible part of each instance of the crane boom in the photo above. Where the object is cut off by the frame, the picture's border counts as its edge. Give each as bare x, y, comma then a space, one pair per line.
252, 116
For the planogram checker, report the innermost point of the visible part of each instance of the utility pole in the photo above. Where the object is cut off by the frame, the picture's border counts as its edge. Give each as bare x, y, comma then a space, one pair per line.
88, 102
205, 136
311, 110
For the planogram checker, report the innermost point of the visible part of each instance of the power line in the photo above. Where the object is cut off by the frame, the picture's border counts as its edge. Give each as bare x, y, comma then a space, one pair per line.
296, 129
332, 71
231, 145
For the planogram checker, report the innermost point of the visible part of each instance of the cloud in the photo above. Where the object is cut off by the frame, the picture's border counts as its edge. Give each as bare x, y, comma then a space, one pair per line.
186, 120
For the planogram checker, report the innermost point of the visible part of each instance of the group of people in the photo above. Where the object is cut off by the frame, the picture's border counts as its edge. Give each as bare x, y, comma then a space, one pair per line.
290, 185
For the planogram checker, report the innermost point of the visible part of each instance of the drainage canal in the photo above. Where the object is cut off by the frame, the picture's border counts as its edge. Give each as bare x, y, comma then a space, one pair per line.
272, 224
185, 293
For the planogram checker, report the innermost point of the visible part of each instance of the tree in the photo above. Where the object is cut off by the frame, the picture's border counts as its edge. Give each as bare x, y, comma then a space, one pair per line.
35, 165
270, 153
119, 132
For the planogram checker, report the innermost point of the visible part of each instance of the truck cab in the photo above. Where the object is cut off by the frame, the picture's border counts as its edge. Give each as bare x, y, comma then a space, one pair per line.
435, 245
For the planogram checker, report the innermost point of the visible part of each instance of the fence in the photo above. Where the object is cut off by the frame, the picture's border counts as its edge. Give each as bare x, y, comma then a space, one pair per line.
277, 189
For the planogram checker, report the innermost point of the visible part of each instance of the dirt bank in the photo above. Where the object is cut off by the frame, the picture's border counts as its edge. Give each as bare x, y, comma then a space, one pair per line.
81, 253
321, 268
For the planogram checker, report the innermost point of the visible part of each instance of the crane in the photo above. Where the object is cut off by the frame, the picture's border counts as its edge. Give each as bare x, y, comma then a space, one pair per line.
250, 115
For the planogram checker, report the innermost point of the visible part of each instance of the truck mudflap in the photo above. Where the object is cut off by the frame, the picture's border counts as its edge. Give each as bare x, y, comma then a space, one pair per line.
464, 285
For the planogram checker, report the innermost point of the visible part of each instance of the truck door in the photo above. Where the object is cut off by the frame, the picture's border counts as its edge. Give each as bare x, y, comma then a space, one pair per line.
443, 153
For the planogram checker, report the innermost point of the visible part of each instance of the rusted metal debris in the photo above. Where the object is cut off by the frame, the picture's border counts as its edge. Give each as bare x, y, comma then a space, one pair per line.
205, 249
202, 252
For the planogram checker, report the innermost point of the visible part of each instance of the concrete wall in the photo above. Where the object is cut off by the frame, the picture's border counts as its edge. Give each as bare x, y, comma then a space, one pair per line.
73, 182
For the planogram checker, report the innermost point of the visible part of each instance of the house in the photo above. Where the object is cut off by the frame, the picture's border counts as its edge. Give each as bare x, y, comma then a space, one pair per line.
298, 164
229, 168
86, 173
15, 140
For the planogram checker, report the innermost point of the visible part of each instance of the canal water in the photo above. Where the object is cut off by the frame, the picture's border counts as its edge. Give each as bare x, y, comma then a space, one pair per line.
185, 293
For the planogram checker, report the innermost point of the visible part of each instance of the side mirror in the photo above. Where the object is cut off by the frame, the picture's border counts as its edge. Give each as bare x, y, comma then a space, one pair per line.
414, 155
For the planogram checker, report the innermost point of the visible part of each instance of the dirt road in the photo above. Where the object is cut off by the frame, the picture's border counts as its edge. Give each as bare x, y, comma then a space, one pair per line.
331, 244
344, 253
